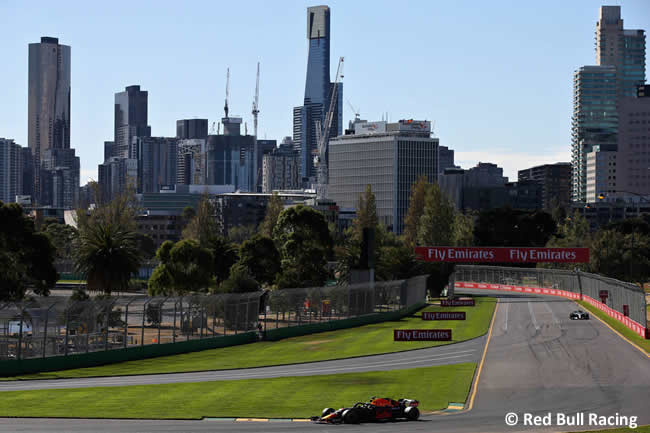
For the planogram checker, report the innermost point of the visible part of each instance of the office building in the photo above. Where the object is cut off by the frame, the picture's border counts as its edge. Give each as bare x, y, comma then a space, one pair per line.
192, 128
389, 157
11, 176
524, 195
157, 160
445, 158
318, 89
59, 177
599, 92
117, 176
622, 48
480, 187
108, 149
633, 162
49, 101
595, 120
130, 119
555, 180
281, 168
191, 161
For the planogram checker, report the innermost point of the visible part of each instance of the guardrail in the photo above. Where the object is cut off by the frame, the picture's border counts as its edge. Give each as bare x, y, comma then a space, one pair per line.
625, 301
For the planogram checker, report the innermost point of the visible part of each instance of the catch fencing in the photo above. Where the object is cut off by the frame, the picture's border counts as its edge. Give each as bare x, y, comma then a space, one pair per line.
59, 326
625, 302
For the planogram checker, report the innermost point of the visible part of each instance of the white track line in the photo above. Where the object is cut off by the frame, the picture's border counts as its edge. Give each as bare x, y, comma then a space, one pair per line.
553, 315
505, 322
532, 315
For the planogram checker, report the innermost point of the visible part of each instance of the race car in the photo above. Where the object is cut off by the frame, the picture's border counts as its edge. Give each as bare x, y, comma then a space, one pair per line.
377, 409
579, 315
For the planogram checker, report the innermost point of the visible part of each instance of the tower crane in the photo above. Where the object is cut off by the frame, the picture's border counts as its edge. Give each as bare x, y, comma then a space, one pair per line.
354, 110
322, 137
225, 107
255, 112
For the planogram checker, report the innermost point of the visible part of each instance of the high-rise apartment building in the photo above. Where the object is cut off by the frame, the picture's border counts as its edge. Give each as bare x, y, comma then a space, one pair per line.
11, 164
555, 180
192, 128
49, 101
318, 89
281, 168
130, 119
389, 157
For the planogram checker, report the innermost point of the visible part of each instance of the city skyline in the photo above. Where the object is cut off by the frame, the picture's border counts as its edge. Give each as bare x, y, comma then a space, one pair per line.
475, 100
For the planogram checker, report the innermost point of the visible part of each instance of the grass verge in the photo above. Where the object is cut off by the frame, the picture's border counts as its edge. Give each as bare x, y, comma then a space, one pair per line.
284, 397
345, 343
629, 334
640, 429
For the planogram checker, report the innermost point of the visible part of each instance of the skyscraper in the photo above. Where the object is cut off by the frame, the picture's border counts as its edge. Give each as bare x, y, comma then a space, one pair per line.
318, 89
11, 162
192, 128
49, 101
624, 49
130, 119
598, 94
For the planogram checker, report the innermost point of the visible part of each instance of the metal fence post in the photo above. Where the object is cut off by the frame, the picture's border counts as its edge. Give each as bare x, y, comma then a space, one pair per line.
109, 309
144, 314
579, 282
160, 308
201, 323
174, 323
47, 317
126, 323
19, 349
67, 327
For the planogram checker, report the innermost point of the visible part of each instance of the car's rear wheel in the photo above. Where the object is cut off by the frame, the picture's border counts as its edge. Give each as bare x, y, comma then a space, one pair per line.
412, 413
326, 411
350, 416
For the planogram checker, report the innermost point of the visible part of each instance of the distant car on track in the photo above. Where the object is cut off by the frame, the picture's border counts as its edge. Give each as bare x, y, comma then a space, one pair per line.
579, 315
376, 409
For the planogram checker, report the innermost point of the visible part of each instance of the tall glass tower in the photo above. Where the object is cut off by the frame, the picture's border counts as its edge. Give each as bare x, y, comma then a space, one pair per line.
318, 89
597, 93
49, 101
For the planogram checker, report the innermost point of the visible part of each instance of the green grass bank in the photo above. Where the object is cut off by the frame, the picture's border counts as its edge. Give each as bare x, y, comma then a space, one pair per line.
286, 397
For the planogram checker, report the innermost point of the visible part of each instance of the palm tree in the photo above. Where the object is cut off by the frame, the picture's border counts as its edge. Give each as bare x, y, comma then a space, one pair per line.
108, 256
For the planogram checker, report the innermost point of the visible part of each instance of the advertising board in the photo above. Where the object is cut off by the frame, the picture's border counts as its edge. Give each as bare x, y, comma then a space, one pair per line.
502, 255
422, 334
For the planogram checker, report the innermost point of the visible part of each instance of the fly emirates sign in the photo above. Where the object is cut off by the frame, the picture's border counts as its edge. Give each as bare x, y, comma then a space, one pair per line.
502, 255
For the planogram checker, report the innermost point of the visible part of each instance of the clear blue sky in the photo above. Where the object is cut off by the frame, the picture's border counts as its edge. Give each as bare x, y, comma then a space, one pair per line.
495, 77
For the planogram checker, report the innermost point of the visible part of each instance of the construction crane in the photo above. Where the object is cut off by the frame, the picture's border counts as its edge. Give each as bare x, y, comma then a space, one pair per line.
225, 107
255, 112
354, 110
322, 137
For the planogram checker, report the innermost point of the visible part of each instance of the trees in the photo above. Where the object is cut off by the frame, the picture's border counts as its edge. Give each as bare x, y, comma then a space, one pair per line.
273, 210
508, 227
239, 281
202, 227
366, 213
64, 237
224, 255
304, 243
26, 257
184, 267
262, 259
437, 223
415, 210
108, 256
239, 234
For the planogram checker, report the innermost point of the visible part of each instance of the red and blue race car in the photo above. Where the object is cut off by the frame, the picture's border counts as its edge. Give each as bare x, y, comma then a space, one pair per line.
377, 409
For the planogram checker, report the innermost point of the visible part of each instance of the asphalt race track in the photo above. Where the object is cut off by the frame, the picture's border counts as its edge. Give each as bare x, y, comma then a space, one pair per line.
538, 361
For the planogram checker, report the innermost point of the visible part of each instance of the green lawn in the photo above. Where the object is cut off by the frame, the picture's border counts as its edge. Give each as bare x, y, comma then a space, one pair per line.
364, 340
630, 335
285, 397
